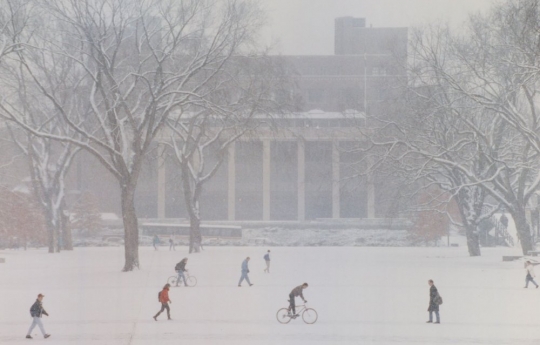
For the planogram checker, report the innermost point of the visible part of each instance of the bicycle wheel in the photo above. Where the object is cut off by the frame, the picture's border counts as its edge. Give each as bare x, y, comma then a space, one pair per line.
172, 280
191, 281
309, 316
283, 315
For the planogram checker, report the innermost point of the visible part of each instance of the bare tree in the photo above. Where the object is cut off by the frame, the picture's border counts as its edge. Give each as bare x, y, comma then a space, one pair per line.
495, 67
441, 142
14, 16
480, 134
47, 167
245, 94
49, 162
134, 64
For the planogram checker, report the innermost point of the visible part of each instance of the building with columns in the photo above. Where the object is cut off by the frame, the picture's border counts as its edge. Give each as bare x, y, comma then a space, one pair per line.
304, 168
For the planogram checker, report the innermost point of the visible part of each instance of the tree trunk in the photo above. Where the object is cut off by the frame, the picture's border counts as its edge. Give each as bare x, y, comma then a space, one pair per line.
194, 234
131, 229
66, 231
473, 242
50, 231
58, 236
523, 230
192, 204
469, 217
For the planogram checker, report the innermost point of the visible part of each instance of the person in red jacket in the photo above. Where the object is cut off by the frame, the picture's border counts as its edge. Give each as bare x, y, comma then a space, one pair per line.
164, 300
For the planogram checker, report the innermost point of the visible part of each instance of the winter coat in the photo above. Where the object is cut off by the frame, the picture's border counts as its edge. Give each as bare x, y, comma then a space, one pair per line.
504, 221
267, 257
530, 271
245, 266
164, 296
181, 266
297, 291
36, 310
432, 294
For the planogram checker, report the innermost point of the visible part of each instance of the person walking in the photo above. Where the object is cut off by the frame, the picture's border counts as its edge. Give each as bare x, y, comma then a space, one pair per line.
180, 269
245, 271
296, 292
37, 311
156, 242
164, 299
171, 244
267, 260
530, 275
504, 221
434, 301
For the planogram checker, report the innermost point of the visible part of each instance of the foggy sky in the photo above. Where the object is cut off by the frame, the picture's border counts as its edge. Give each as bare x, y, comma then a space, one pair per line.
306, 27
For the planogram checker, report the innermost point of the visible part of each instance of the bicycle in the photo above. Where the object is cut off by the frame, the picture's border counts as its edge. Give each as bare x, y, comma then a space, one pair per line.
191, 281
309, 315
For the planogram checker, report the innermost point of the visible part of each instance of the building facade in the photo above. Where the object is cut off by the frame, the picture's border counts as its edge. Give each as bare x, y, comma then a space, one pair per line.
306, 167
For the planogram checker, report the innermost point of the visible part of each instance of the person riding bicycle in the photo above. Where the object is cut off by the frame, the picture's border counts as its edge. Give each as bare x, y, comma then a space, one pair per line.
297, 291
180, 268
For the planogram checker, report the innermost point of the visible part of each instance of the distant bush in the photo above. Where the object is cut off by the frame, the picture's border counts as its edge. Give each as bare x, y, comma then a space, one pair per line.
430, 224
86, 217
21, 220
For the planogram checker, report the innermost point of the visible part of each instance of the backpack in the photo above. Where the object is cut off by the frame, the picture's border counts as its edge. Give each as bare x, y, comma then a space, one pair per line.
438, 300
159, 296
177, 267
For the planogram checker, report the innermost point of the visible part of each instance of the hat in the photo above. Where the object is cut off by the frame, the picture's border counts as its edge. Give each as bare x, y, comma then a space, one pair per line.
41, 295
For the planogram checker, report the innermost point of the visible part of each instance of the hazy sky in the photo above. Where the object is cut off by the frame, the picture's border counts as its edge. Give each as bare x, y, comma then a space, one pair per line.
306, 27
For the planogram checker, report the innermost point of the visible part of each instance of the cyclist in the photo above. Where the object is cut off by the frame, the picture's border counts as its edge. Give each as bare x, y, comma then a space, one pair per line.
180, 268
297, 291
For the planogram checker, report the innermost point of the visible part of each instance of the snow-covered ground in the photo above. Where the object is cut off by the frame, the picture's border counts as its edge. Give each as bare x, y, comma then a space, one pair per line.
364, 295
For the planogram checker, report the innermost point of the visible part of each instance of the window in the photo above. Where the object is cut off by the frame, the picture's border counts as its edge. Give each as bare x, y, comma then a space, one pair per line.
379, 71
316, 95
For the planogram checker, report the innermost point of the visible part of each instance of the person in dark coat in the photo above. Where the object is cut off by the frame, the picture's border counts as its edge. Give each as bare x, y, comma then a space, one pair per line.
245, 271
37, 311
156, 242
296, 292
180, 268
267, 260
530, 274
164, 300
504, 221
433, 306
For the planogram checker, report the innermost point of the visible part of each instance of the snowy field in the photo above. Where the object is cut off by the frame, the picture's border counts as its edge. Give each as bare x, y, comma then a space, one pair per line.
363, 296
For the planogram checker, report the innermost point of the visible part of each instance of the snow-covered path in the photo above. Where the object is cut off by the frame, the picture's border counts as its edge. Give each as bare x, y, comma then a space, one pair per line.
362, 295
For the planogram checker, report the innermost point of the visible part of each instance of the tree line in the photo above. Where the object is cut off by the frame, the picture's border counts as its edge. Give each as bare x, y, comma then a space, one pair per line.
113, 78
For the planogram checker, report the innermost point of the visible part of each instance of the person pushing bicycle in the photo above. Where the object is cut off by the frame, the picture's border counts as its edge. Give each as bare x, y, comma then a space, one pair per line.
180, 268
297, 291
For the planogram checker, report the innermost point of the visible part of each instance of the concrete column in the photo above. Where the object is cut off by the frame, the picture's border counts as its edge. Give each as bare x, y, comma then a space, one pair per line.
266, 179
301, 180
370, 196
335, 180
161, 182
231, 161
